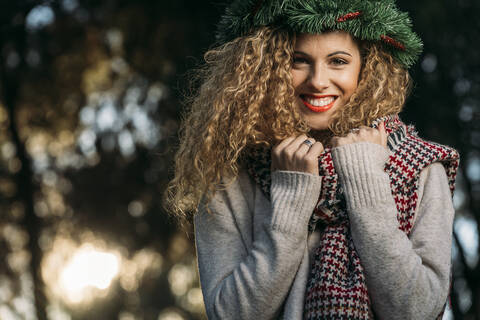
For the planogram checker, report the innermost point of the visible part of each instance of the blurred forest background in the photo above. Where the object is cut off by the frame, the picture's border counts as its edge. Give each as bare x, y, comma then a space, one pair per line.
90, 103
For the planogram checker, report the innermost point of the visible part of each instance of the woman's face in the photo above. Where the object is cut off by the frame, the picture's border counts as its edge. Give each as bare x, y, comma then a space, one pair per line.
325, 74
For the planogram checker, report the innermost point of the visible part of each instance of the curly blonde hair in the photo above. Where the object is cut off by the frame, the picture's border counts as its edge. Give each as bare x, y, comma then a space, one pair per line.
246, 99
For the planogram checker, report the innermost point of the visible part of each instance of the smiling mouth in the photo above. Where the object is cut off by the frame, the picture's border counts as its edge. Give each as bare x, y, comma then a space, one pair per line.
318, 103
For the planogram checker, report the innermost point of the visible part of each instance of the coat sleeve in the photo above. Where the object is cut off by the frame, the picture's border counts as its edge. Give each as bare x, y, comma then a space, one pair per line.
241, 281
407, 277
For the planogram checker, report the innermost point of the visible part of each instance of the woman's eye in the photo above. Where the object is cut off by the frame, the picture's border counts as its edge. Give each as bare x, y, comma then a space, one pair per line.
339, 61
299, 60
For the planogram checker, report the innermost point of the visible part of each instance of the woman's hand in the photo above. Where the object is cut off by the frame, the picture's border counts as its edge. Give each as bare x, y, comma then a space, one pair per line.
363, 134
296, 154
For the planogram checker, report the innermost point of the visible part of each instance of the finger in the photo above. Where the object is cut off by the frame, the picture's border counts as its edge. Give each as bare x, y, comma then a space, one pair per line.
316, 149
383, 133
284, 143
366, 130
285, 157
273, 165
334, 141
296, 144
300, 153
277, 152
304, 147
352, 134
340, 141
381, 127
311, 158
353, 131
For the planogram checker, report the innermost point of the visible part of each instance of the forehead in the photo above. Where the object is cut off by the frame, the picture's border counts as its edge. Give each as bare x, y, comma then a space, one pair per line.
332, 40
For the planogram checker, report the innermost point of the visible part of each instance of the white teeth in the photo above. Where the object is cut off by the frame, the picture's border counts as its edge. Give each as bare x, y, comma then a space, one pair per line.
319, 102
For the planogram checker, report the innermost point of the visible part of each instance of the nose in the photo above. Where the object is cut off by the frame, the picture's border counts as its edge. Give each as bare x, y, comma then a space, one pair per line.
319, 78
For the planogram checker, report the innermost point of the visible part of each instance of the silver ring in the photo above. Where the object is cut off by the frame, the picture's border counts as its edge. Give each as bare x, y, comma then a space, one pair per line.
354, 130
308, 143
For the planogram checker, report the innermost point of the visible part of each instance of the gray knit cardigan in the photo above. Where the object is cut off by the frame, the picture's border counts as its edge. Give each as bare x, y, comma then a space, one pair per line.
254, 255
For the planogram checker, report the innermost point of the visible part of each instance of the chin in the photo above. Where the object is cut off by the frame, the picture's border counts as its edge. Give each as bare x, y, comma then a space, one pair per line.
317, 121
318, 127
314, 123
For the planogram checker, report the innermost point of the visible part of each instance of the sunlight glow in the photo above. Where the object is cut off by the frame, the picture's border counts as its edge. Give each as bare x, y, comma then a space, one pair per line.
89, 267
79, 276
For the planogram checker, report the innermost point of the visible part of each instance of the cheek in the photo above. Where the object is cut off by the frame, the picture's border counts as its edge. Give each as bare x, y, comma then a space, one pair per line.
353, 86
298, 78
350, 84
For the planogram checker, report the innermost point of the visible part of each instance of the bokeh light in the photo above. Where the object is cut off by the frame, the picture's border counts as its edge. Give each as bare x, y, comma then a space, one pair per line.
79, 274
89, 267
170, 314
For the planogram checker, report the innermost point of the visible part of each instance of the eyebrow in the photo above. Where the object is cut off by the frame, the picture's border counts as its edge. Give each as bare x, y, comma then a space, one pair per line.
339, 52
329, 55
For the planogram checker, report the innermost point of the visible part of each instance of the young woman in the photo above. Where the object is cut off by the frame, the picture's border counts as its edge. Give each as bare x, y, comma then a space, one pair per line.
311, 199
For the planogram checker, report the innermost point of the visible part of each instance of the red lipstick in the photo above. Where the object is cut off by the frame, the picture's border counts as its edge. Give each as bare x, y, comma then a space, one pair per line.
318, 108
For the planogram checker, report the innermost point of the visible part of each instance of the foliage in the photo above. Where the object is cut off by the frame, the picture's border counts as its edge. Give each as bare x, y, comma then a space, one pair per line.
366, 20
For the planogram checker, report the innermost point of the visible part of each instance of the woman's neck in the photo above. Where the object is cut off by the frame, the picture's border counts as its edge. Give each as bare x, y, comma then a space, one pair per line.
323, 136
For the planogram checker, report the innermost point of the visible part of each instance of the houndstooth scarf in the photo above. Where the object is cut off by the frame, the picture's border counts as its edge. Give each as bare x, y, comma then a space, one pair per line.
336, 287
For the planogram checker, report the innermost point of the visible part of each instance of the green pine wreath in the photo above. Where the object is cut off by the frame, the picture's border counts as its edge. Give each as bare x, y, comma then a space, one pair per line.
374, 20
